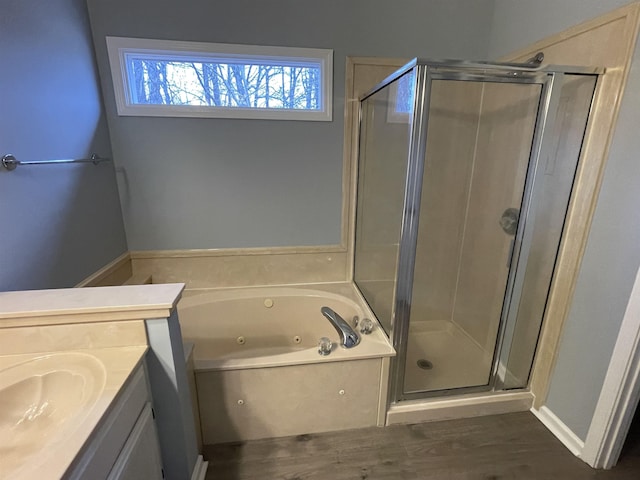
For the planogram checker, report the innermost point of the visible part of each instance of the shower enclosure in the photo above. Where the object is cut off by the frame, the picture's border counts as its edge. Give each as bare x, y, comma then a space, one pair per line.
465, 173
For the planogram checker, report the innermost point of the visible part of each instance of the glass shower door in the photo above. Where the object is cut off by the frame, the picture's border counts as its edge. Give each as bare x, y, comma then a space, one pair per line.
479, 137
465, 171
385, 130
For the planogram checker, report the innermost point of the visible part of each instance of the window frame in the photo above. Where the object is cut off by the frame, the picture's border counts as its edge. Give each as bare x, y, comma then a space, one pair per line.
119, 47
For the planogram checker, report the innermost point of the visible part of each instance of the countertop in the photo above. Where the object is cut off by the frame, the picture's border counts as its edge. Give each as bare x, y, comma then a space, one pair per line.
53, 455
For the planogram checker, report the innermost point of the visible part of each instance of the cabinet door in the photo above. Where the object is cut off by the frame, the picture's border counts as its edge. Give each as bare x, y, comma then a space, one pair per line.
140, 456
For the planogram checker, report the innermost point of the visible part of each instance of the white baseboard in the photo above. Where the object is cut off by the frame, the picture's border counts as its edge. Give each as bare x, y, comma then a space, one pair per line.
200, 470
560, 430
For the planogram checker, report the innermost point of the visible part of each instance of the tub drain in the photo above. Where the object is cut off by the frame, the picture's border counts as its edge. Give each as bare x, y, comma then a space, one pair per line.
425, 364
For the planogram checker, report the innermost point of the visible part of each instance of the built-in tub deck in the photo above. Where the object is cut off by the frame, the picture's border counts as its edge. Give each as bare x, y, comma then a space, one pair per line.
258, 370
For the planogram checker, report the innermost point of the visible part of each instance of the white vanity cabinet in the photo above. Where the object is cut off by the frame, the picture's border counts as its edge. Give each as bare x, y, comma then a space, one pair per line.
125, 444
140, 456
127, 349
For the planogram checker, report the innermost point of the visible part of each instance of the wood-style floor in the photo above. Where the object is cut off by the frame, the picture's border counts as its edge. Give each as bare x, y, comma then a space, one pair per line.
511, 446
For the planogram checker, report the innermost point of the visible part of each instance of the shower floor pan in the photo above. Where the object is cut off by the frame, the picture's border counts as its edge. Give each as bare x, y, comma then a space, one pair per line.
441, 356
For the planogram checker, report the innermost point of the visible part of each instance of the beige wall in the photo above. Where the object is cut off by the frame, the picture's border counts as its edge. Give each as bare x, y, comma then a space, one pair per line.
505, 135
559, 164
451, 145
477, 155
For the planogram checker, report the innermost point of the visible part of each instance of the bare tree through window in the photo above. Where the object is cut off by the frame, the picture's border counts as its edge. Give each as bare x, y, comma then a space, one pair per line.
219, 84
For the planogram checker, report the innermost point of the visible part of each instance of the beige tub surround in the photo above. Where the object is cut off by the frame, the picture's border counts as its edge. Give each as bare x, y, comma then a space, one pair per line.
116, 272
257, 366
50, 403
248, 404
241, 267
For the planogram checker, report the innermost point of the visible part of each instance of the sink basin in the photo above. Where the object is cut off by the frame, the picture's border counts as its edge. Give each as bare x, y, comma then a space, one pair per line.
42, 400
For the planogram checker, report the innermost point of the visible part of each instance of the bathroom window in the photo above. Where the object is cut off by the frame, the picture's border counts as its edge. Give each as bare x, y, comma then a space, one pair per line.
162, 78
401, 97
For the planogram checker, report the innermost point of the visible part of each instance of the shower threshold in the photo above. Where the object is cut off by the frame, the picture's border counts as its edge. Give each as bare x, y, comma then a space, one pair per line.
462, 406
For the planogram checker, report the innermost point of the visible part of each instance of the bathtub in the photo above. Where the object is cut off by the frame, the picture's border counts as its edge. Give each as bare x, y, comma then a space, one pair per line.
257, 368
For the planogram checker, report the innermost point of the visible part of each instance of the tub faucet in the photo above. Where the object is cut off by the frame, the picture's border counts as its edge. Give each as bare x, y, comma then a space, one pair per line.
348, 336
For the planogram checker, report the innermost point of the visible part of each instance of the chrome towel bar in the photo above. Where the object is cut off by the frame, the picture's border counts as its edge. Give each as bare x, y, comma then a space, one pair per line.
11, 163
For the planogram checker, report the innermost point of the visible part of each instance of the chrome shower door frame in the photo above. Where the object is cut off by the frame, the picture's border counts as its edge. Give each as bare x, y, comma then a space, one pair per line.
409, 228
545, 124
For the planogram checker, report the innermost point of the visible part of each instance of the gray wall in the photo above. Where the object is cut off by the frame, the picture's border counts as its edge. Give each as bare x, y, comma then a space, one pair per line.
215, 183
612, 256
58, 223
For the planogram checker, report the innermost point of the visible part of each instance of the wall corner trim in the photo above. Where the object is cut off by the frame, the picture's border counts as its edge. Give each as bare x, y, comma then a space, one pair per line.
560, 430
620, 392
236, 252
113, 273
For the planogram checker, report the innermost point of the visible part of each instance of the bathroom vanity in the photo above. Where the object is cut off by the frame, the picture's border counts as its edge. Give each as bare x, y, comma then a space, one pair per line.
125, 444
91, 381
